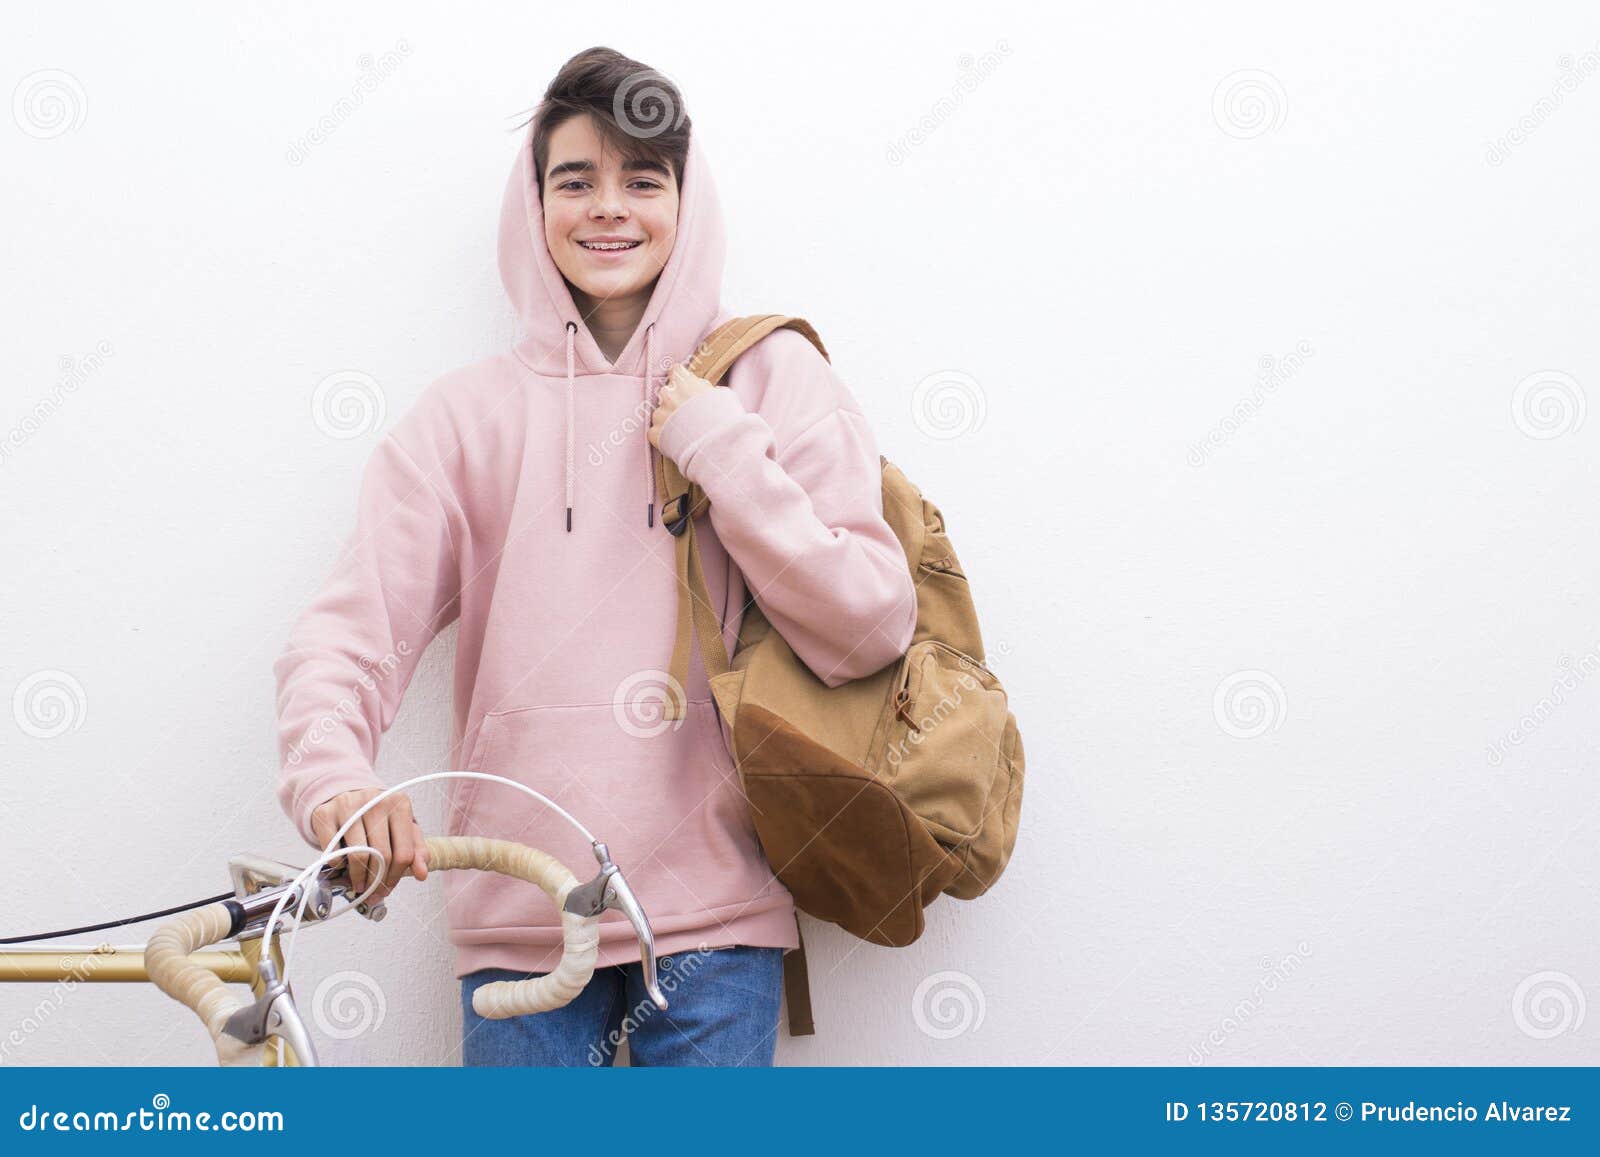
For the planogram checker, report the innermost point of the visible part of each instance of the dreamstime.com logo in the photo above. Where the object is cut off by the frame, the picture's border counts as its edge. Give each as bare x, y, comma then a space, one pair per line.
49, 103
1273, 974
374, 71
647, 104
672, 971
1548, 1004
948, 404
348, 1004
1571, 71
74, 373
348, 404
160, 1117
1249, 103
49, 703
1572, 673
1272, 373
53, 1001
1548, 404
639, 703
348, 707
921, 727
973, 71
933, 716
1248, 704
948, 1004
638, 418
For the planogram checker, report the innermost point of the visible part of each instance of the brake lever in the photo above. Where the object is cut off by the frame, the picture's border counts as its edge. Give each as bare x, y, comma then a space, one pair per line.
610, 889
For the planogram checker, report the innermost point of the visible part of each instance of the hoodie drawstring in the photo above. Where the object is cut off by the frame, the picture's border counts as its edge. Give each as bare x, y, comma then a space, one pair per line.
572, 333
649, 415
649, 410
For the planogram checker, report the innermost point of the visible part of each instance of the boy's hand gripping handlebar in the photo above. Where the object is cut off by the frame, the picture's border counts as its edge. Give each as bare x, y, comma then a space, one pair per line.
236, 1026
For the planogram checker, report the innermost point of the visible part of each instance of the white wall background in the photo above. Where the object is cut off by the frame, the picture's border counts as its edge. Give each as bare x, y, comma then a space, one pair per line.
1266, 819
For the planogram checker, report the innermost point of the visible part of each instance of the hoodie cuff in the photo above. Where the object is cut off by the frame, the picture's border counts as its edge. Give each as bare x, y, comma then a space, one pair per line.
698, 422
319, 791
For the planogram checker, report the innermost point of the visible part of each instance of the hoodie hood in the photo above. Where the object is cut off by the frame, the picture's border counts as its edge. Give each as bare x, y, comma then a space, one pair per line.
556, 343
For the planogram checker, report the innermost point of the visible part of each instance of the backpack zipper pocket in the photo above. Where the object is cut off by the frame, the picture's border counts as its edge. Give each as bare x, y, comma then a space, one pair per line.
944, 761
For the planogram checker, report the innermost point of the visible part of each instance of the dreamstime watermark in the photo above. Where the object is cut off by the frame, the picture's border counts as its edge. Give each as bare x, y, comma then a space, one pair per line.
638, 703
671, 971
647, 104
1571, 673
1548, 404
1547, 1004
1248, 704
948, 404
374, 71
973, 71
49, 703
49, 103
1249, 103
1570, 73
159, 1118
932, 715
349, 706
1273, 974
638, 418
74, 372
948, 1004
348, 1004
1272, 373
52, 1002
348, 404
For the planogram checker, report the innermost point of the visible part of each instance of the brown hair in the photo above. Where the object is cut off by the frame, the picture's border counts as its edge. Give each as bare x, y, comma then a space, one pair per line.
637, 111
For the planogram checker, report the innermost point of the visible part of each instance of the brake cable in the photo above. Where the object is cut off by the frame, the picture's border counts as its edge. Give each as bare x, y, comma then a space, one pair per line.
117, 923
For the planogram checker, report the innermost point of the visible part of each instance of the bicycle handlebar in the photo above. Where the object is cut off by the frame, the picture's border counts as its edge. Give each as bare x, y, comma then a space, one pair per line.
235, 1025
580, 935
167, 961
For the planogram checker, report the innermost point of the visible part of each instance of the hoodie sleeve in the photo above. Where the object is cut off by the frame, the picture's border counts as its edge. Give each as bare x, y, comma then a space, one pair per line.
356, 645
804, 523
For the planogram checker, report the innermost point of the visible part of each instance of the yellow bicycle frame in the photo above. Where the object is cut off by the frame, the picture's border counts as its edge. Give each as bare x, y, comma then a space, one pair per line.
126, 965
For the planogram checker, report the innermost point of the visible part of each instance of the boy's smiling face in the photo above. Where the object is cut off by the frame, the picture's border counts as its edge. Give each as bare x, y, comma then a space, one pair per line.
609, 223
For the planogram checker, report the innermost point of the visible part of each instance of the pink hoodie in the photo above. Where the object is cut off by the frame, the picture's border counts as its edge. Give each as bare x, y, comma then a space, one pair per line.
518, 496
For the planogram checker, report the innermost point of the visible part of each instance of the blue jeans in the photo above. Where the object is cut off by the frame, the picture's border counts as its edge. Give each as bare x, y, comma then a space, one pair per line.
722, 1011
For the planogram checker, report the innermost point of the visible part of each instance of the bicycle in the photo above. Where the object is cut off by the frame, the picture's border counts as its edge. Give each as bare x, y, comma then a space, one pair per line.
270, 1030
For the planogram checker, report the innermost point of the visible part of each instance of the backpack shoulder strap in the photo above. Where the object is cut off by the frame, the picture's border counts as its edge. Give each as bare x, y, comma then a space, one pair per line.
681, 502
722, 346
797, 990
711, 361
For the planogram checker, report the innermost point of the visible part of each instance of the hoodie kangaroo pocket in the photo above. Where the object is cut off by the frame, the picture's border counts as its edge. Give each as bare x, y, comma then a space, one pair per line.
650, 790
462, 792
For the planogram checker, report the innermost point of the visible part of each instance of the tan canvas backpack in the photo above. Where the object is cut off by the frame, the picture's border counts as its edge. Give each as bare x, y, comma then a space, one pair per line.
872, 798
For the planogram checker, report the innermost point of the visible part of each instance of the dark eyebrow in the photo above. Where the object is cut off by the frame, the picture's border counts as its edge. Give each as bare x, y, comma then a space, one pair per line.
637, 165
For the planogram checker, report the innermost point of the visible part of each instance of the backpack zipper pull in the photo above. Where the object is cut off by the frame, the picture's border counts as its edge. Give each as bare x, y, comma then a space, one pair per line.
902, 699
